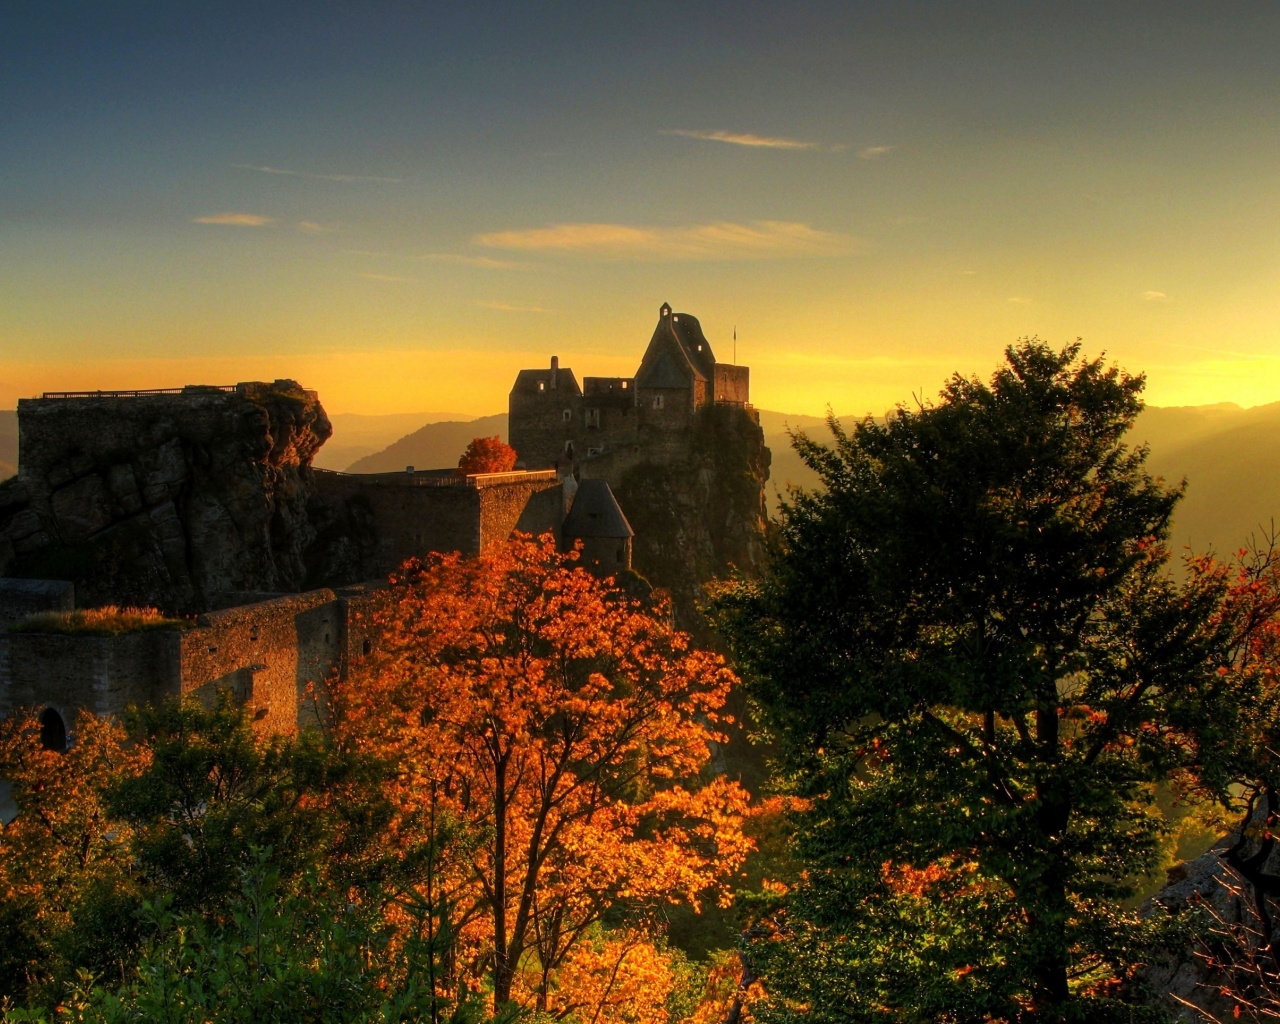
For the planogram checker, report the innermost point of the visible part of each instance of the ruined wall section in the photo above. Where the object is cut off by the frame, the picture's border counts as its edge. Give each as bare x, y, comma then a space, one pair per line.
533, 506
731, 384
269, 655
265, 654
102, 674
164, 499
22, 598
369, 525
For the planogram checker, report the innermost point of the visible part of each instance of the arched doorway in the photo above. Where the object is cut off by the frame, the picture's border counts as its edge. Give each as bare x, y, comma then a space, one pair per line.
53, 731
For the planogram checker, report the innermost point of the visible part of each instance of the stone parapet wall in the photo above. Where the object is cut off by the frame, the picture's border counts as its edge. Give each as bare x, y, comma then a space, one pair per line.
383, 520
530, 506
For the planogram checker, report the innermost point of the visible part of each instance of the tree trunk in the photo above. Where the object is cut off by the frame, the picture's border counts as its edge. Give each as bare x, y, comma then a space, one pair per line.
1050, 909
503, 968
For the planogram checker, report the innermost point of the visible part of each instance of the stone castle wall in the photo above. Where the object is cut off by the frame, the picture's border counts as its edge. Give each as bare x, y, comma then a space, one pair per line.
20, 598
267, 655
731, 384
379, 521
102, 674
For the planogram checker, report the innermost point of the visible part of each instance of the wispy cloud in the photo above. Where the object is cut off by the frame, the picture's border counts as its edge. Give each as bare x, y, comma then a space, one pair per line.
874, 152
310, 227
344, 178
721, 240
744, 139
1019, 300
507, 307
1154, 296
237, 220
386, 277
485, 262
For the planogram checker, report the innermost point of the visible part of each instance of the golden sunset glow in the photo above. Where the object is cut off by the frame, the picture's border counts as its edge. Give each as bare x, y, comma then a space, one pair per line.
401, 209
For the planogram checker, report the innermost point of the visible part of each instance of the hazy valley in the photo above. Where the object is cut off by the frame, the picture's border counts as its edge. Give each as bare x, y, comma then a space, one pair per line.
1233, 475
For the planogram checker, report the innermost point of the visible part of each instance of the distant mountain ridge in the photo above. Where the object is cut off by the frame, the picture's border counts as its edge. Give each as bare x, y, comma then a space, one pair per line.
433, 446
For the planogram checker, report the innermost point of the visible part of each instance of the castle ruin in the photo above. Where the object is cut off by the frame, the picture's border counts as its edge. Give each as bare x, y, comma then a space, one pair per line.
202, 501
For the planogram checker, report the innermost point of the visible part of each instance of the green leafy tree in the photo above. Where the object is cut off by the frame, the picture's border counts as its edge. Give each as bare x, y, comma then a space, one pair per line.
166, 809
212, 790
280, 953
977, 669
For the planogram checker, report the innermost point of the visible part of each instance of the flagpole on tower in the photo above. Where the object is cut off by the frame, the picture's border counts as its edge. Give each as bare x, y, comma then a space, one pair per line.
735, 344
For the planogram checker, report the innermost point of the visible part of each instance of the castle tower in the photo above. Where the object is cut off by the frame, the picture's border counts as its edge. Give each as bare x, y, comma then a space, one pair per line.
597, 520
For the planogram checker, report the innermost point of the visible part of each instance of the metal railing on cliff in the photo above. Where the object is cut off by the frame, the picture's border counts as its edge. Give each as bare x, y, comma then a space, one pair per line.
190, 389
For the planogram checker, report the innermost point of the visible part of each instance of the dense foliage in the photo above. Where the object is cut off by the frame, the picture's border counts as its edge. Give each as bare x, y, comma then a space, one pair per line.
558, 731
506, 795
985, 688
978, 670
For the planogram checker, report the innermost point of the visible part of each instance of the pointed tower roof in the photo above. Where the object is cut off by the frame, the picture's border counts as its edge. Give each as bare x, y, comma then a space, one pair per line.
678, 353
596, 513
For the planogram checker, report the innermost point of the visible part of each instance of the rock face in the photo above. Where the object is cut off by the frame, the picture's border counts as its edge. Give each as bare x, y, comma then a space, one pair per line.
701, 515
1226, 964
164, 499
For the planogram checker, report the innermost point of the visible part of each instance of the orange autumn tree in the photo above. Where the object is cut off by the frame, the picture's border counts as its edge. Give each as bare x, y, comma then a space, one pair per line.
66, 884
487, 455
563, 732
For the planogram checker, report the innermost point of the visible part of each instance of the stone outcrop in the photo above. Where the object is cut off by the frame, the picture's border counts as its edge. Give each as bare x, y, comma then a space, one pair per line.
164, 499
701, 515
1223, 962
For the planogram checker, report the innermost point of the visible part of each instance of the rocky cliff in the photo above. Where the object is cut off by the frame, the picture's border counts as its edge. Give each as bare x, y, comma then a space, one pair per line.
164, 499
1222, 961
702, 515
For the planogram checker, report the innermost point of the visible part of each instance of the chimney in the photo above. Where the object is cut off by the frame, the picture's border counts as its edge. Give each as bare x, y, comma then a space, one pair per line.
555, 371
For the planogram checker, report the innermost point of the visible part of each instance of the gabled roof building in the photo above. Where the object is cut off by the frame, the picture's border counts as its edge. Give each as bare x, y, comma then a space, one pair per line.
610, 422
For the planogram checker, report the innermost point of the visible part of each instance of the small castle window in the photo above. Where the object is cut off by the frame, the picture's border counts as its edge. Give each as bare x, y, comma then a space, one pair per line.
568, 415
366, 646
591, 452
624, 385
593, 417
699, 348
657, 401
676, 318
542, 385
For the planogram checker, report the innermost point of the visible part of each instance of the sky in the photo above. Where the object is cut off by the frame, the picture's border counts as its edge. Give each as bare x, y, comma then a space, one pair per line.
402, 203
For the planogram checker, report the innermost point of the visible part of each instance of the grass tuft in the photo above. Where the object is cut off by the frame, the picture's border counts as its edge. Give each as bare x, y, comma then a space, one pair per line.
109, 620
